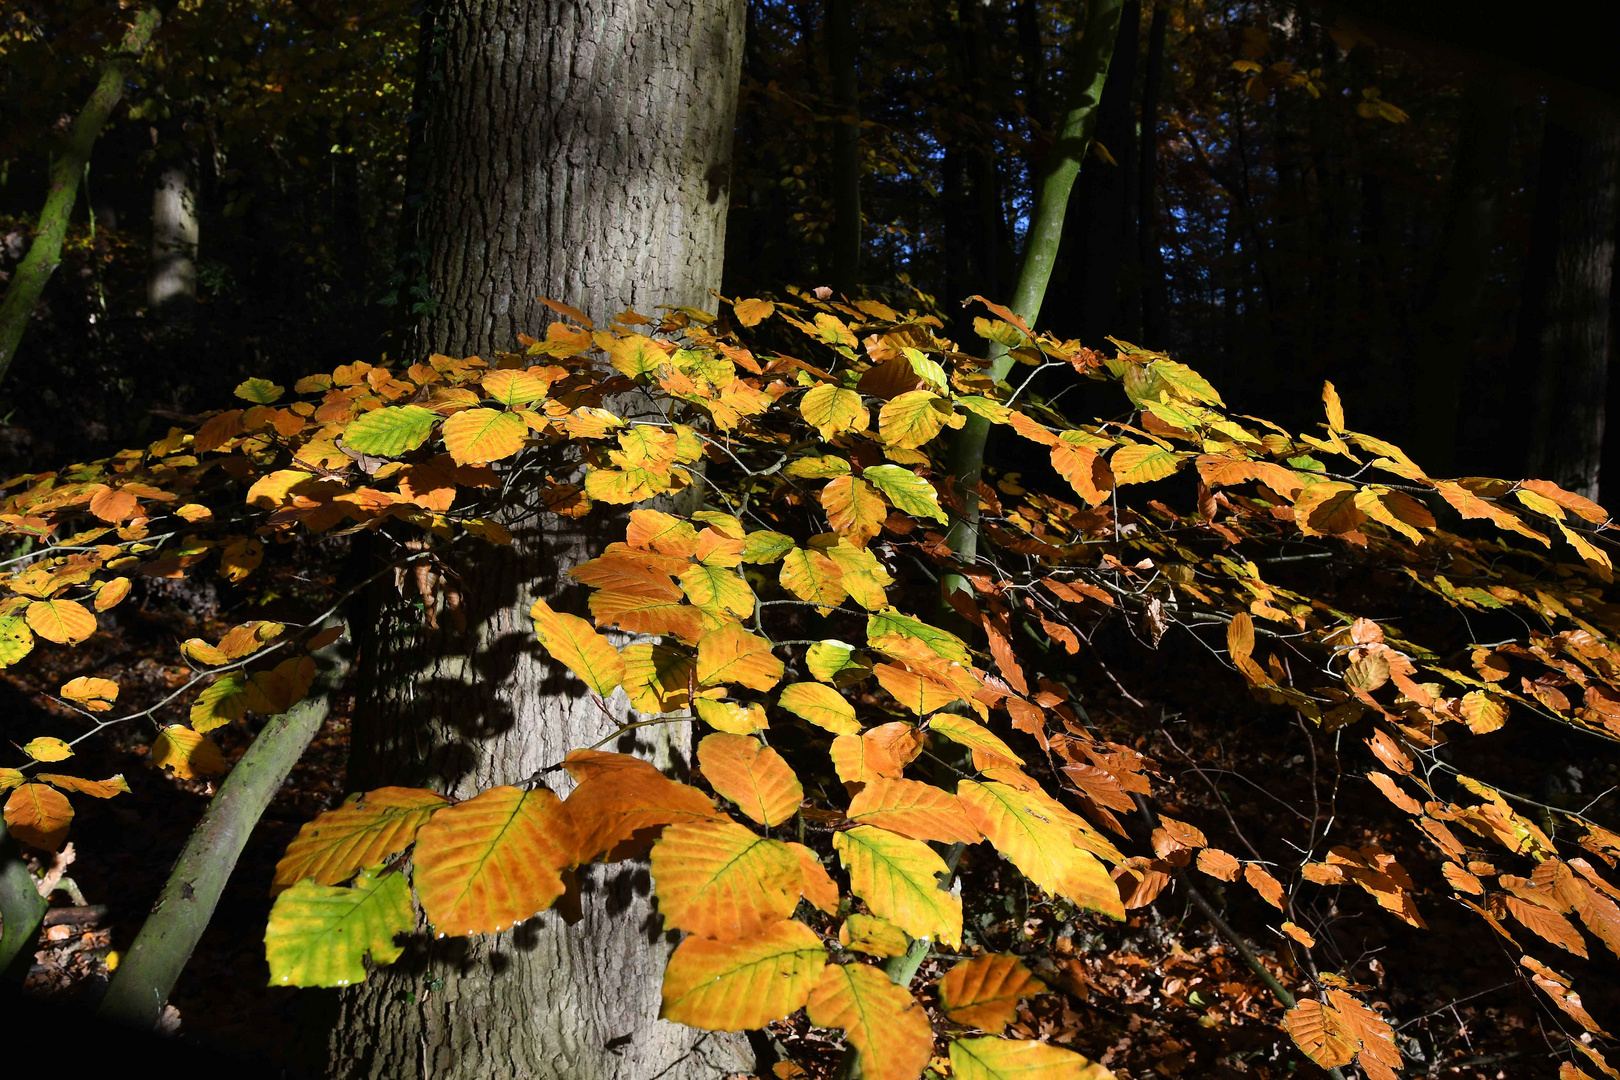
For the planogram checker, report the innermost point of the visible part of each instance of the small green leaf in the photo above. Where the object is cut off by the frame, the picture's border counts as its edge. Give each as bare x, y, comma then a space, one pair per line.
392, 431
907, 490
319, 934
260, 391
17, 641
765, 546
222, 701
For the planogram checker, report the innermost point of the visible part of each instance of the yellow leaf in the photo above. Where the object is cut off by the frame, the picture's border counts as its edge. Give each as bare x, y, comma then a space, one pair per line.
39, 815
1335, 408
367, 830
97, 695
1045, 848
111, 593
821, 705
742, 984
493, 861
974, 736
720, 880
187, 752
882, 1021
16, 640
873, 936
984, 992
717, 591
914, 418
831, 410
733, 655
911, 808
1140, 463
909, 492
477, 436
752, 775
1086, 471
319, 936
46, 748
813, 577
65, 622
898, 879
513, 386
992, 1058
10, 778
239, 558
917, 691
861, 574
570, 640
859, 760
731, 717
815, 884
817, 468
853, 509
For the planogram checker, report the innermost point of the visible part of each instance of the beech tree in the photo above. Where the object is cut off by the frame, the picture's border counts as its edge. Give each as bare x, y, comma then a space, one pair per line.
579, 151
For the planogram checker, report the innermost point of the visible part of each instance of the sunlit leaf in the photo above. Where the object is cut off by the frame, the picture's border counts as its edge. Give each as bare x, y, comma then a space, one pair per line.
16, 640
367, 830
873, 936
911, 808
66, 622
39, 815
719, 879
189, 753
612, 804
943, 643
319, 935
476, 436
1141, 463
260, 391
914, 418
390, 431
908, 491
899, 879
109, 788
992, 1058
94, 694
752, 775
831, 410
47, 748
744, 983
733, 655
571, 640
974, 736
493, 861
1022, 826
853, 508
821, 705
887, 1027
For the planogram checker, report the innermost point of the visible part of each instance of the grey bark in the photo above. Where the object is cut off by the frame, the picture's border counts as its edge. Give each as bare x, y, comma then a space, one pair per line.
1581, 159
579, 151
171, 287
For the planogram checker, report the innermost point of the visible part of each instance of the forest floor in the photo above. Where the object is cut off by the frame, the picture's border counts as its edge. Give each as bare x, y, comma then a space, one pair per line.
1160, 995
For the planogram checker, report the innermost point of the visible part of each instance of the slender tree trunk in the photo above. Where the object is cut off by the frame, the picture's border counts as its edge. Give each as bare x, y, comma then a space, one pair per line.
1580, 170
842, 43
1102, 195
28, 280
1452, 300
1150, 259
171, 285
1051, 200
582, 152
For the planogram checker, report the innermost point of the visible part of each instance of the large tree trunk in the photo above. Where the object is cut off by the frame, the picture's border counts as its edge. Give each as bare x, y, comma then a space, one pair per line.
578, 151
1580, 172
171, 285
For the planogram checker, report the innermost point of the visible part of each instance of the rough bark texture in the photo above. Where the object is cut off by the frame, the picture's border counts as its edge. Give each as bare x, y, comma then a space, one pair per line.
1581, 160
578, 151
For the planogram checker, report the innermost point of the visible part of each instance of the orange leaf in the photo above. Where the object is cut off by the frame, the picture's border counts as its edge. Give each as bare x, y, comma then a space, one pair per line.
39, 815
1268, 887
1319, 1031
732, 654
751, 775
920, 811
718, 879
1219, 864
101, 789
493, 861
367, 830
477, 436
66, 622
815, 884
616, 799
571, 640
882, 1021
853, 509
984, 992
745, 983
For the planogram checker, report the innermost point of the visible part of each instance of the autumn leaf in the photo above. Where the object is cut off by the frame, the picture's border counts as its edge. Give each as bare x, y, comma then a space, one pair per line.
872, 936
16, 640
109, 788
911, 808
974, 736
752, 313
494, 860
942, 643
906, 490
853, 509
47, 748
732, 717
477, 436
611, 805
367, 830
570, 640
914, 418
984, 992
813, 577
189, 753
38, 815
1022, 827
719, 879
821, 705
743, 983
1320, 1032
320, 936
65, 622
832, 410
511, 386
899, 879
992, 1058
752, 775
96, 695
1141, 463
882, 1021
731, 654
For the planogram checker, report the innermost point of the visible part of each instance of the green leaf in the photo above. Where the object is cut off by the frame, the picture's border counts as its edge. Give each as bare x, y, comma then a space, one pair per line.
943, 643
260, 391
224, 700
392, 431
836, 662
16, 640
765, 546
906, 490
319, 934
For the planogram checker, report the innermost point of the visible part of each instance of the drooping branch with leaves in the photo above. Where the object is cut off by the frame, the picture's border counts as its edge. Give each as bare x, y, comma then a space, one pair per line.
850, 751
